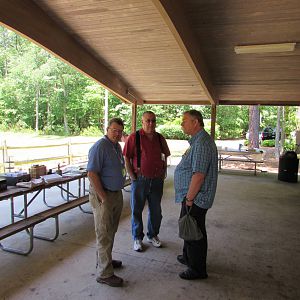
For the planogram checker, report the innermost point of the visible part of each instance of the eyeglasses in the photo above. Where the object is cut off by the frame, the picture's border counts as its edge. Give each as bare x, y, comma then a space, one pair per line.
150, 121
119, 131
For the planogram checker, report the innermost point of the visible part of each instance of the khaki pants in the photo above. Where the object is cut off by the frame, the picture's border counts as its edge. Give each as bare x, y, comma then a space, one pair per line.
106, 218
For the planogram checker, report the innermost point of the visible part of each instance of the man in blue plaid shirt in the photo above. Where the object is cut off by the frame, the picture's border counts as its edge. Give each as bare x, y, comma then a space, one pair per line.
195, 181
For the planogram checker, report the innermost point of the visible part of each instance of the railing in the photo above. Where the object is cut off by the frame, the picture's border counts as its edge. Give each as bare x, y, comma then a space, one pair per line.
12, 157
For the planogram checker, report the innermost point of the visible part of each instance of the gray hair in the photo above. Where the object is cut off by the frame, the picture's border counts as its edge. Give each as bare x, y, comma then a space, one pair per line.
119, 121
196, 115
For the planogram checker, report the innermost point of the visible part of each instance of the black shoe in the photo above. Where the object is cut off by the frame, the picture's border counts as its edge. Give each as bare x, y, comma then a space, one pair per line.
116, 264
191, 275
181, 259
113, 280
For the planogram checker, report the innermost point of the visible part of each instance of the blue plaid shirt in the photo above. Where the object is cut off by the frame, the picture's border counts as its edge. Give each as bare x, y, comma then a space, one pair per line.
202, 157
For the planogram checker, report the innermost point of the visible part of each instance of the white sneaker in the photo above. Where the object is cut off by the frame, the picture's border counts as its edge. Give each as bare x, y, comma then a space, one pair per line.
137, 245
155, 241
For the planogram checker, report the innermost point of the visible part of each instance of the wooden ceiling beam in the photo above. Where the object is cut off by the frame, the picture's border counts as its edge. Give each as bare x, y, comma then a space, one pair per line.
225, 102
261, 102
184, 102
28, 19
174, 17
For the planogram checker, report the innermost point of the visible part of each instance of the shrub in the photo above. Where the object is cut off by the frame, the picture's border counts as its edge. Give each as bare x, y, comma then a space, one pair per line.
171, 131
207, 126
268, 143
55, 130
290, 145
19, 127
92, 131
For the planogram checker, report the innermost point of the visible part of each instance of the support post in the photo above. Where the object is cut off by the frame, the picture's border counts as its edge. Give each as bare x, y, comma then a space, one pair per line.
5, 153
213, 118
133, 116
105, 111
69, 152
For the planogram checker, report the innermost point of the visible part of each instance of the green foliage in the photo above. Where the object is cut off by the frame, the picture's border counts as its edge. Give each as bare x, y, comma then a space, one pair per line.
55, 130
165, 114
172, 131
176, 121
91, 131
289, 145
268, 116
16, 128
120, 110
290, 120
268, 143
37, 88
207, 127
233, 121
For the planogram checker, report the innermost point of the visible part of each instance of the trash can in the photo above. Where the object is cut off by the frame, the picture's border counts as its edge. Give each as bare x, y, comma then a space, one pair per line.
288, 167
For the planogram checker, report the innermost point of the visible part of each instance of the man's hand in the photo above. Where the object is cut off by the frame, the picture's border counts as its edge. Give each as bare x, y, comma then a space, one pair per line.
195, 185
97, 185
101, 199
189, 203
129, 168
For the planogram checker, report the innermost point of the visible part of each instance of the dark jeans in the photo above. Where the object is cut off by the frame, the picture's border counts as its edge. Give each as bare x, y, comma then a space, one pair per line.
195, 252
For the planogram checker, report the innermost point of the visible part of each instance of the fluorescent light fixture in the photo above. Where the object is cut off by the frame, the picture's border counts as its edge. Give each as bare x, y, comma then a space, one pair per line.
265, 48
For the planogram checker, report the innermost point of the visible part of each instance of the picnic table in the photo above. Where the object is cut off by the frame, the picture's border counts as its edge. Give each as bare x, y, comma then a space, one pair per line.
254, 156
26, 219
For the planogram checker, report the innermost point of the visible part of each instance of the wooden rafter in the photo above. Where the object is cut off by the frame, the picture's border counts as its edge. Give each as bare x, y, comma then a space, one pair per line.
31, 21
170, 52
183, 33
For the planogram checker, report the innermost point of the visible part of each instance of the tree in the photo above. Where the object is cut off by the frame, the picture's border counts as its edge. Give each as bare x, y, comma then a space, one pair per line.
278, 147
233, 120
254, 121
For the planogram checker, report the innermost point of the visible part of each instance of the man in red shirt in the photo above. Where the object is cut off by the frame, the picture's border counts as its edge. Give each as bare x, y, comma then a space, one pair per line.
146, 153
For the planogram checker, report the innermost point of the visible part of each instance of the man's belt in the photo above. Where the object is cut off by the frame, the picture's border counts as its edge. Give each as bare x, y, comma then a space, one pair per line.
145, 177
108, 190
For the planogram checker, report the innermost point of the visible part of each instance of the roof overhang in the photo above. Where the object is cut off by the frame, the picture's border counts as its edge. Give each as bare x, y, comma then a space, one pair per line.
170, 52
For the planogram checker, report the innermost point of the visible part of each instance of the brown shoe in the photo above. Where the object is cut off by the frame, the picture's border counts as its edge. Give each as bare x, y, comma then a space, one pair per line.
116, 264
113, 280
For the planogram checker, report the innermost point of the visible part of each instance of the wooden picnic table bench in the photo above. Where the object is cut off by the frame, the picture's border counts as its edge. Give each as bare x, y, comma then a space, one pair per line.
28, 222
253, 157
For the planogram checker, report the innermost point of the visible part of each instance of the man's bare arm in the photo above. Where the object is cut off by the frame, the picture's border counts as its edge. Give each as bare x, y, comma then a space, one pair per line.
129, 168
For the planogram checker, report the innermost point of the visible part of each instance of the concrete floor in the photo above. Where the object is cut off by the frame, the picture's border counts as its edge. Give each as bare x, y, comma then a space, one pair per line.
254, 251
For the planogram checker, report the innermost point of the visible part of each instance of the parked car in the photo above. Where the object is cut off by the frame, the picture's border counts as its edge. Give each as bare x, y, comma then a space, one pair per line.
268, 133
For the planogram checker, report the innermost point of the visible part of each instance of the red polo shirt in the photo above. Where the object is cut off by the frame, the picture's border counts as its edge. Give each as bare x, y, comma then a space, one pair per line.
152, 165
